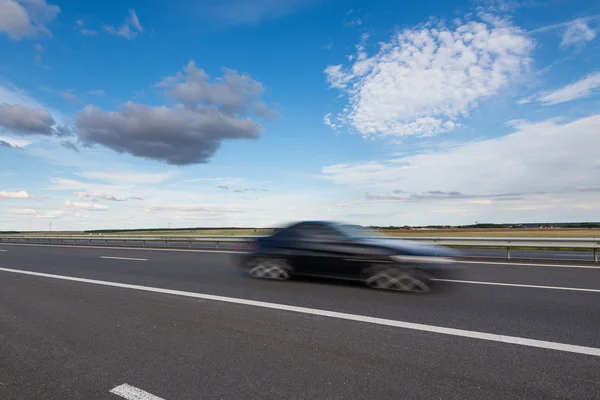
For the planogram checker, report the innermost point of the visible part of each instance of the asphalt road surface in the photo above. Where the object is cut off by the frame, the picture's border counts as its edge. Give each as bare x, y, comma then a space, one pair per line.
99, 323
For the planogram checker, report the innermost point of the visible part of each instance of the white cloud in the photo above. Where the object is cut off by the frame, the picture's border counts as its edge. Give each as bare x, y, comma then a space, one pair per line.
86, 206
51, 214
577, 33
23, 211
130, 28
582, 88
26, 18
104, 196
15, 142
4, 194
543, 157
97, 92
426, 78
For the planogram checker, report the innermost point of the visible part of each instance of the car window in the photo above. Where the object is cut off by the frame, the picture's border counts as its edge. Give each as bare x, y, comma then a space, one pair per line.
317, 232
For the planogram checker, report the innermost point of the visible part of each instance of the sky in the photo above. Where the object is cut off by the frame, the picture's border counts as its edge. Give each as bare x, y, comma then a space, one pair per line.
154, 114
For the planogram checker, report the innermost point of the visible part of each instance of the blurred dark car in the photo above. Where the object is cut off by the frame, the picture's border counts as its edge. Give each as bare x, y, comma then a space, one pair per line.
334, 250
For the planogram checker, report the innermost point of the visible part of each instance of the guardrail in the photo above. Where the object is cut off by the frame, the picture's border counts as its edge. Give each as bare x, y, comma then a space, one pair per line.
242, 242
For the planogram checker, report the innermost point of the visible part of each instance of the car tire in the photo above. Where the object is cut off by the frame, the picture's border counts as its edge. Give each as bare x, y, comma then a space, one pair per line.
269, 268
398, 279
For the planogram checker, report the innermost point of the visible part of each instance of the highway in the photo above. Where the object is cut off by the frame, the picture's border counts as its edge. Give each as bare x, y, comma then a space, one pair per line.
80, 322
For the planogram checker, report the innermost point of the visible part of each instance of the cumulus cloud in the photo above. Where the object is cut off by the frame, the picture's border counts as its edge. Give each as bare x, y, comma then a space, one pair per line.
584, 87
26, 18
86, 206
176, 136
577, 33
234, 93
97, 92
24, 120
544, 157
185, 134
130, 28
425, 79
4, 194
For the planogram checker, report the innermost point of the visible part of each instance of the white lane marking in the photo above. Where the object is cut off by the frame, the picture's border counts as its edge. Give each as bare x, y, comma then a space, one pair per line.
132, 393
2, 250
520, 285
124, 258
593, 351
513, 264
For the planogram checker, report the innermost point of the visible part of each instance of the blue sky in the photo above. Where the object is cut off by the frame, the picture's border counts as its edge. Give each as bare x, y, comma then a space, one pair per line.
256, 113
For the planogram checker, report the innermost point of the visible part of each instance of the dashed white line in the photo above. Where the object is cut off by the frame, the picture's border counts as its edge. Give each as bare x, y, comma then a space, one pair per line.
520, 285
124, 258
2, 250
592, 351
132, 393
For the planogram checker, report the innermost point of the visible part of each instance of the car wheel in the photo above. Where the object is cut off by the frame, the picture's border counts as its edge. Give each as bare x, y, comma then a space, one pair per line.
270, 268
402, 280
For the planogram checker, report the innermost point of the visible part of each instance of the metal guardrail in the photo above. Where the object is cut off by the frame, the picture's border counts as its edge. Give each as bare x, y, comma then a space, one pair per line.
242, 242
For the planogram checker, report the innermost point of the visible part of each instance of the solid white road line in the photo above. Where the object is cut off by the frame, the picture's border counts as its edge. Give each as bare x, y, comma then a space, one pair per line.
593, 351
132, 393
520, 285
2, 250
124, 258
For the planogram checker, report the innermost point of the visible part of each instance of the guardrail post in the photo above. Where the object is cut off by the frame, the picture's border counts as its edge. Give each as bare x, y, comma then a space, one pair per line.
508, 253
190, 244
217, 245
595, 255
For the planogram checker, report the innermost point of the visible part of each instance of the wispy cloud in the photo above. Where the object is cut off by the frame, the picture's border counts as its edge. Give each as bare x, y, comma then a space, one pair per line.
584, 87
130, 28
71, 96
577, 33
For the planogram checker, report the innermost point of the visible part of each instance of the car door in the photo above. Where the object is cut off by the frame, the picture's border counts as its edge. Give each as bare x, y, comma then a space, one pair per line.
324, 250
